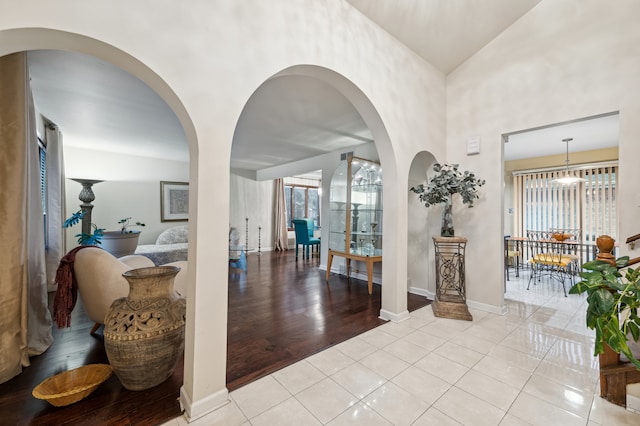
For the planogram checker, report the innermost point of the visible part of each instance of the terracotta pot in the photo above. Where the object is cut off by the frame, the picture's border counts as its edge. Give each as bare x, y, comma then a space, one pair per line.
144, 332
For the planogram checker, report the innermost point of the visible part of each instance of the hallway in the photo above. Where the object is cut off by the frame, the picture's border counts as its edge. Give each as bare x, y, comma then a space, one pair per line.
534, 365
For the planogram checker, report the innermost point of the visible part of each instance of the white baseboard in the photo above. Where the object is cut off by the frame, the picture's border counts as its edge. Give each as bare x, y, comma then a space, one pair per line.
422, 292
262, 250
390, 316
499, 310
194, 411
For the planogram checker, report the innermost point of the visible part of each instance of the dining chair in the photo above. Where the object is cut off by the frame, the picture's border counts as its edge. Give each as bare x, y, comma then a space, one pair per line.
572, 237
547, 259
304, 237
512, 253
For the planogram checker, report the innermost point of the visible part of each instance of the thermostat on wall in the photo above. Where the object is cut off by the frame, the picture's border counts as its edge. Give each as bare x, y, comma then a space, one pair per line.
473, 146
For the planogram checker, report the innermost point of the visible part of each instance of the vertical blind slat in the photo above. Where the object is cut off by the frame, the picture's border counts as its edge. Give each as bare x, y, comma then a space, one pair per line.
541, 203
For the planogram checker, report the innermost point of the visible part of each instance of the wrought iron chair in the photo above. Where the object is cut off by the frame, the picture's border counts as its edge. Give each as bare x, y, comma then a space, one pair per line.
571, 237
512, 254
548, 259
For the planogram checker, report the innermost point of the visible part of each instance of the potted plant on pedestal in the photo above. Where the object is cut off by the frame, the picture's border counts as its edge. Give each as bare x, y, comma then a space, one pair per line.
440, 189
450, 295
124, 241
119, 243
85, 239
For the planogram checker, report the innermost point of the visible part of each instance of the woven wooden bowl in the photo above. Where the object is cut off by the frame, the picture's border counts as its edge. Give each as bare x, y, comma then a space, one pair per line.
72, 385
560, 236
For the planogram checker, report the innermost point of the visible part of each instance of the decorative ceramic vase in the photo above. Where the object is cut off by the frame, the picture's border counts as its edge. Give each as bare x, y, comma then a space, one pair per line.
144, 332
446, 226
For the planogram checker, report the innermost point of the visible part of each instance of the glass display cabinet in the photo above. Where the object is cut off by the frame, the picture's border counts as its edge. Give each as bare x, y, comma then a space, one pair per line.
355, 224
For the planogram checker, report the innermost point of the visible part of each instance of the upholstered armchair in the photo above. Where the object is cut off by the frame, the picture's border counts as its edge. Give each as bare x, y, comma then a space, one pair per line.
100, 281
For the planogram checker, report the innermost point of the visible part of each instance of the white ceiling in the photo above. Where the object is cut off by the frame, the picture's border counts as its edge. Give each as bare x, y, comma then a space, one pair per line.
592, 133
99, 106
444, 32
294, 117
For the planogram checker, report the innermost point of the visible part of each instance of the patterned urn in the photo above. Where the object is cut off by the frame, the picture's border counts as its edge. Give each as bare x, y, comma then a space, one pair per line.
144, 332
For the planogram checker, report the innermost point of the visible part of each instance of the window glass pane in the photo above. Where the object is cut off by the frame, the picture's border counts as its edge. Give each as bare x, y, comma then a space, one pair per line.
287, 201
312, 210
43, 190
299, 203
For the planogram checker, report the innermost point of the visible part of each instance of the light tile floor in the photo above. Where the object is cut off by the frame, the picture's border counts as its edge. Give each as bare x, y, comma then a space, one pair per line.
532, 366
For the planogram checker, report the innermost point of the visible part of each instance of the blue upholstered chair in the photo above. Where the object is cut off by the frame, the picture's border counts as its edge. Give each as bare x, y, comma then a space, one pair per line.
304, 236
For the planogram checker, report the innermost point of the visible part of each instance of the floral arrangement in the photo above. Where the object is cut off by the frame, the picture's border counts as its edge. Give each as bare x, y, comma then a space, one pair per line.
447, 181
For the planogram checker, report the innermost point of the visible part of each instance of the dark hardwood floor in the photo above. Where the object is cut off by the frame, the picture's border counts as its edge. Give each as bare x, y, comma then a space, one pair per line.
280, 311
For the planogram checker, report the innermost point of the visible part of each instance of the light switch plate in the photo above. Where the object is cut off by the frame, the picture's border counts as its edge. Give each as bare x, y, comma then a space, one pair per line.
473, 145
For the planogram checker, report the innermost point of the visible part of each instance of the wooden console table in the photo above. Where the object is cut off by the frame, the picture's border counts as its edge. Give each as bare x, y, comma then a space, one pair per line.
369, 260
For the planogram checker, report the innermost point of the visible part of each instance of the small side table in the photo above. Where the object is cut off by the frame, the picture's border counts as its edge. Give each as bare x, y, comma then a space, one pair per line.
450, 300
369, 260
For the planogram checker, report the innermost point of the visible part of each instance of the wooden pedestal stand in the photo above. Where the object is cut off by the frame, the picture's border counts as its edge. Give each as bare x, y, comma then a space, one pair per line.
450, 300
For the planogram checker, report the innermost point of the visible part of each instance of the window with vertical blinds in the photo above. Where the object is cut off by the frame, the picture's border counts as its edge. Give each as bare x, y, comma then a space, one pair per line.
42, 157
542, 203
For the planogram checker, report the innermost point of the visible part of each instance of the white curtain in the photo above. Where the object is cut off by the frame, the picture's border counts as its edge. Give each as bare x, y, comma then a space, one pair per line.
280, 229
25, 321
55, 247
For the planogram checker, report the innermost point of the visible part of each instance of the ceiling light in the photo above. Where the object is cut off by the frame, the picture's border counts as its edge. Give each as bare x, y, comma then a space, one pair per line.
567, 178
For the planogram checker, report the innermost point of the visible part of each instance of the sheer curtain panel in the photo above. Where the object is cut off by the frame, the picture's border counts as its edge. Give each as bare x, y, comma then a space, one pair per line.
25, 322
281, 242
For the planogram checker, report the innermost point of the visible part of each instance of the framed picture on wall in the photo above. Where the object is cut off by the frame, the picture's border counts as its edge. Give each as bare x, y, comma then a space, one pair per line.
174, 201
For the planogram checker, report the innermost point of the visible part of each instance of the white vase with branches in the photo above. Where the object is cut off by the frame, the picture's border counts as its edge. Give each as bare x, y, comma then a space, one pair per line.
441, 188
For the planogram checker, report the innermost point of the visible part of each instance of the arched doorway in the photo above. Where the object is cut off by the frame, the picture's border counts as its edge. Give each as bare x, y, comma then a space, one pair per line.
33, 39
256, 145
394, 293
421, 226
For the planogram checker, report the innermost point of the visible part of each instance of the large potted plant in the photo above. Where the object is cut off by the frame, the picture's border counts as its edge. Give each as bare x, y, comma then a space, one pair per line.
119, 243
123, 241
441, 188
93, 238
613, 300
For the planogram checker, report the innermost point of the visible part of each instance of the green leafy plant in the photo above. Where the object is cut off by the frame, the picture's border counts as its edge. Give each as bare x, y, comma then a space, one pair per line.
92, 239
447, 181
612, 304
125, 224
95, 237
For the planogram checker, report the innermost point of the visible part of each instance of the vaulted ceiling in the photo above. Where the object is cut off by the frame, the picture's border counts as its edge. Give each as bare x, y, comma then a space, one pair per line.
99, 106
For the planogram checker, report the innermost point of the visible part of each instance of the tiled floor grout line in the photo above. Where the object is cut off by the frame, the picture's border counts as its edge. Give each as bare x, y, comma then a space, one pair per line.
541, 341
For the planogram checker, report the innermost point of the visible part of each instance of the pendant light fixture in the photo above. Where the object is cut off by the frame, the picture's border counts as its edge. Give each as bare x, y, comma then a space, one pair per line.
567, 178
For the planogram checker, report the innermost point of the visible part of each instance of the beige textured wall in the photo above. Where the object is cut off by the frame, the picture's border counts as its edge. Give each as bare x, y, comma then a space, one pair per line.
206, 60
131, 188
564, 60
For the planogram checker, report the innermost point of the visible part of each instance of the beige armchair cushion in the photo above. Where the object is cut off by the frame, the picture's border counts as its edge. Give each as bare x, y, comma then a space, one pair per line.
100, 281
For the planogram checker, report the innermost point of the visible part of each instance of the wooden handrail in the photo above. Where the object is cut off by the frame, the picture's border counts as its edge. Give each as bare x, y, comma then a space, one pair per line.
633, 261
633, 238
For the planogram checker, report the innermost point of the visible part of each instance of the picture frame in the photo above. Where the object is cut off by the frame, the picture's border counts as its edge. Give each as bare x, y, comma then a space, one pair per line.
174, 201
